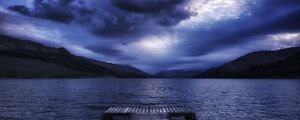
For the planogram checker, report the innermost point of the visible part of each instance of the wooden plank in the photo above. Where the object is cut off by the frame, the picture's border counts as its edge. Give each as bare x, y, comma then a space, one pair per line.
187, 110
137, 110
143, 110
164, 110
114, 109
157, 110
140, 110
173, 110
181, 109
161, 110
109, 110
129, 109
151, 110
133, 109
121, 110
126, 110
118, 109
147, 110
154, 109
177, 110
168, 109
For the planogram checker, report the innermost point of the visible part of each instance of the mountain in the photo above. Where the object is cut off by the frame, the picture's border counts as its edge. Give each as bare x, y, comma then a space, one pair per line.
122, 70
27, 59
177, 73
283, 63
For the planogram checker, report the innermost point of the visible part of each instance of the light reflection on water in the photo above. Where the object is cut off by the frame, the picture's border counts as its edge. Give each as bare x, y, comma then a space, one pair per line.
209, 98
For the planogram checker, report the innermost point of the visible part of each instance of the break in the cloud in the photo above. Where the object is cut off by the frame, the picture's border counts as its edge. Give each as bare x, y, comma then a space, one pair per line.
156, 34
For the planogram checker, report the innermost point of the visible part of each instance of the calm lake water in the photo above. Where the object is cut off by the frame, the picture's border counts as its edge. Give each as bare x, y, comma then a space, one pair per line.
209, 98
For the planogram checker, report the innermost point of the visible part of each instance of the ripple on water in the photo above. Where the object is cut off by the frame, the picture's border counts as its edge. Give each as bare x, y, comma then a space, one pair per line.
209, 98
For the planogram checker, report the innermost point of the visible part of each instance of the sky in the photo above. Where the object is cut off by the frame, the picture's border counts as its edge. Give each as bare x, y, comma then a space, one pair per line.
155, 35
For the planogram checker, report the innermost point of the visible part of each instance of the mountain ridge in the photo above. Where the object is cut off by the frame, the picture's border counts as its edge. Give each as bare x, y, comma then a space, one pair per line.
260, 64
179, 73
18, 59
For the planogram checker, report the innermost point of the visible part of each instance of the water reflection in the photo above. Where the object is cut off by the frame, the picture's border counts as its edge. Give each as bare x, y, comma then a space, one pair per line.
209, 98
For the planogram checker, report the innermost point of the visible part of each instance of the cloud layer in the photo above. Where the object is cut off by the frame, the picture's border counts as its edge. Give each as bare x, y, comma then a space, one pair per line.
159, 34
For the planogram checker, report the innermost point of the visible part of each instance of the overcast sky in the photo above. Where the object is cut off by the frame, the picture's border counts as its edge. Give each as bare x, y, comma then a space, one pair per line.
156, 35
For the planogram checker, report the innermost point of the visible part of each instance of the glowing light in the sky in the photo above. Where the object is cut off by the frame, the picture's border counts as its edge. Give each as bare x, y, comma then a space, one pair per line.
285, 40
36, 32
157, 44
285, 37
211, 11
3, 10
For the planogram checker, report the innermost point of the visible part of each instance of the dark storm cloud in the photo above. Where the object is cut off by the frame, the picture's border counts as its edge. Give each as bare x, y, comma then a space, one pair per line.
283, 3
272, 8
101, 22
60, 11
109, 18
117, 22
288, 22
20, 8
146, 6
266, 22
116, 25
164, 12
135, 17
54, 10
109, 51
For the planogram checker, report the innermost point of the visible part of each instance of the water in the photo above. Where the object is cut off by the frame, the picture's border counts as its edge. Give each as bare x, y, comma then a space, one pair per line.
209, 98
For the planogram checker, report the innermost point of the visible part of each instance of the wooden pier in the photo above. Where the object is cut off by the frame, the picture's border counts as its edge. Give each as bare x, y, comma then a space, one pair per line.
169, 111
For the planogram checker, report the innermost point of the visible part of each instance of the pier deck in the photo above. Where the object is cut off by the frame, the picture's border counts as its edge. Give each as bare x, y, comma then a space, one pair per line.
169, 111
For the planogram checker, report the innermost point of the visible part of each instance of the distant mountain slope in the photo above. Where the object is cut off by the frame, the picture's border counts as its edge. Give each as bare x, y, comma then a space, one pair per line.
122, 70
26, 59
283, 63
177, 73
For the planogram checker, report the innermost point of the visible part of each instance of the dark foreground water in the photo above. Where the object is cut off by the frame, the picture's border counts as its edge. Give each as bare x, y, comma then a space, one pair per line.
210, 98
